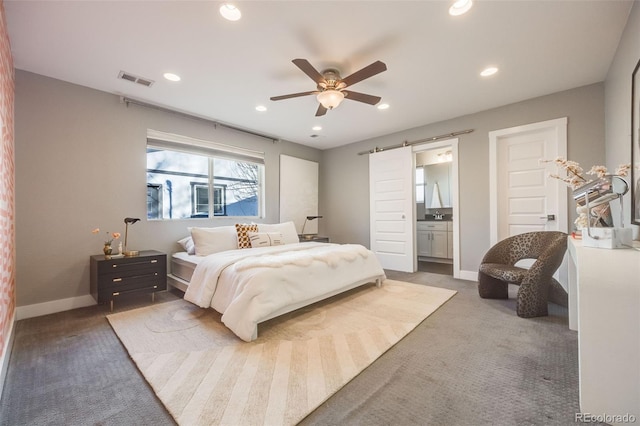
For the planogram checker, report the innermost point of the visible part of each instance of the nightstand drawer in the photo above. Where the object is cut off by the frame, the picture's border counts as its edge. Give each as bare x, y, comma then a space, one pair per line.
131, 281
125, 266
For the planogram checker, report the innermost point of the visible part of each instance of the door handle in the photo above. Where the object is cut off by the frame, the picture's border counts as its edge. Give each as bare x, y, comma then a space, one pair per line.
549, 217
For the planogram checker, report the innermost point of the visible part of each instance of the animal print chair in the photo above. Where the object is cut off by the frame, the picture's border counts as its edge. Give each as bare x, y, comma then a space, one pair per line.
537, 285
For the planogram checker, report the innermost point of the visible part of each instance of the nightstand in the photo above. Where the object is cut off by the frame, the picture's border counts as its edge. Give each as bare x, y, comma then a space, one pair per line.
145, 273
312, 237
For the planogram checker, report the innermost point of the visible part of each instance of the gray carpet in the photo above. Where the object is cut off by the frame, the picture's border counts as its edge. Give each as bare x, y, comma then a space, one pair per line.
473, 362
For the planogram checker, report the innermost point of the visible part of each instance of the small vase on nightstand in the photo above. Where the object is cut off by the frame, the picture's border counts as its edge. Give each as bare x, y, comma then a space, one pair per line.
107, 249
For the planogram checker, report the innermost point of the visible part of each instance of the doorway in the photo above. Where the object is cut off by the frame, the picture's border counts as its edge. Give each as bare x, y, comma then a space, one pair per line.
437, 245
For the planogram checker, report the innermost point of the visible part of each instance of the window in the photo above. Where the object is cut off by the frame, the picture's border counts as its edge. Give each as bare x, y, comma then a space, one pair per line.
195, 179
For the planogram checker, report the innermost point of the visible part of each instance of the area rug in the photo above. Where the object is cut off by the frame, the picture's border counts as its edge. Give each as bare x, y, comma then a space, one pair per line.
205, 375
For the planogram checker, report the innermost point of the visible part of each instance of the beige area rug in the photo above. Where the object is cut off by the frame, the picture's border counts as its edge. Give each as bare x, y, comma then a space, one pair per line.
205, 375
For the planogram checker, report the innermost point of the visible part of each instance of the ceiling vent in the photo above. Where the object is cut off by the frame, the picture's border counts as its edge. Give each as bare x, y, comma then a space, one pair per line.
135, 79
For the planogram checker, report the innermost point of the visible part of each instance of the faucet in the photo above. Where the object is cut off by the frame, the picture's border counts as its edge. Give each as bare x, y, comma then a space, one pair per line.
437, 215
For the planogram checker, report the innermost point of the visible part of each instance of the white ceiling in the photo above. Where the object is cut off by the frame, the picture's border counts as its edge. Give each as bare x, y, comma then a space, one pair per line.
228, 68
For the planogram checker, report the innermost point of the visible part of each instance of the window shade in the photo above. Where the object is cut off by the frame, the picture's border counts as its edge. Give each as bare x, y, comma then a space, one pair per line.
162, 140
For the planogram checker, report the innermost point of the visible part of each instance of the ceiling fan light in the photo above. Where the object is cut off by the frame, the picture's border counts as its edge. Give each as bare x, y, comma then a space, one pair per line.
330, 98
460, 7
230, 12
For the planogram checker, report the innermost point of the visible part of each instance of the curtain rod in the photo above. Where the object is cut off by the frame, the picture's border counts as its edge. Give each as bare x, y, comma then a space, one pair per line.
407, 143
128, 101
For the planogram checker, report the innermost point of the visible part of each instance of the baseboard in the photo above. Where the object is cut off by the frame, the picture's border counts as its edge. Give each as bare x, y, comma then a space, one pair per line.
46, 308
6, 354
468, 275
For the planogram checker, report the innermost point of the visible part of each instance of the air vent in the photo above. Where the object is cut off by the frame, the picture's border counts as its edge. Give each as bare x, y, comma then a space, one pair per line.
135, 79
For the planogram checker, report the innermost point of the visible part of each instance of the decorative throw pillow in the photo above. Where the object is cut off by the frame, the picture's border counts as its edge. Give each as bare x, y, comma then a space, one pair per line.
242, 230
187, 244
287, 229
265, 239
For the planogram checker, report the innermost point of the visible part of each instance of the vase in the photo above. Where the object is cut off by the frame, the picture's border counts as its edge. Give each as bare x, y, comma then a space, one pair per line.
107, 249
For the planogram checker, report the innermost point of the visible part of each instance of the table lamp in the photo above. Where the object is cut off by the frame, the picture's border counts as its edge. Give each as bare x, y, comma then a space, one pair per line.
309, 236
127, 221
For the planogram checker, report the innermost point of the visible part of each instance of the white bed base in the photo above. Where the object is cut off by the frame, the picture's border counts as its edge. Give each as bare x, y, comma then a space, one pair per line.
182, 285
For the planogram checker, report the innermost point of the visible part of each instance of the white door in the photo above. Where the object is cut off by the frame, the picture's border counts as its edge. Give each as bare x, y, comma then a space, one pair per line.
525, 198
392, 208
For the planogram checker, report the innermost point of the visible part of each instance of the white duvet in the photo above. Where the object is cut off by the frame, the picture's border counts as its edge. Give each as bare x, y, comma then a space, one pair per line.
249, 286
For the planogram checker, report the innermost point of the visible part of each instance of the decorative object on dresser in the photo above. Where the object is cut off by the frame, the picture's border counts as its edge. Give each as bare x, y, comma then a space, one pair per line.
107, 249
110, 277
308, 236
127, 221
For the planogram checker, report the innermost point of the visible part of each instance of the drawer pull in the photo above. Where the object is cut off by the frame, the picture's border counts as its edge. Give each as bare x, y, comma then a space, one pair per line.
155, 286
114, 266
116, 293
117, 280
154, 261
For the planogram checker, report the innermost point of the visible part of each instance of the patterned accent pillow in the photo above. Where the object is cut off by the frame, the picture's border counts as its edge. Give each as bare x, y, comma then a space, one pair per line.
243, 230
265, 239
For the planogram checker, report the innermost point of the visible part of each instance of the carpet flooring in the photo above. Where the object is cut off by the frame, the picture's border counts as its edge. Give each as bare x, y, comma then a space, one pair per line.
472, 362
205, 375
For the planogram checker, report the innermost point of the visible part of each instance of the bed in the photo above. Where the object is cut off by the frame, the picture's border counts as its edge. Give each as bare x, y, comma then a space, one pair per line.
250, 285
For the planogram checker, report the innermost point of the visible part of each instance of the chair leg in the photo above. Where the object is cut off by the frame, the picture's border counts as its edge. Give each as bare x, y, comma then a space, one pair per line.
557, 294
532, 300
492, 288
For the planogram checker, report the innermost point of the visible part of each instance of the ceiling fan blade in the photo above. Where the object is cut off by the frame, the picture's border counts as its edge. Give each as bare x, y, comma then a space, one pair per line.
361, 97
292, 95
321, 111
369, 71
309, 70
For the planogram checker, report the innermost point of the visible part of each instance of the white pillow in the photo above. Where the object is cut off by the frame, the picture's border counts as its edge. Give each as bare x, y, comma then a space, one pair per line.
188, 245
265, 239
214, 240
287, 229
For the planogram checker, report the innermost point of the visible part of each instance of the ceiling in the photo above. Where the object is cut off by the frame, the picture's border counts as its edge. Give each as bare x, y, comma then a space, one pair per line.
228, 68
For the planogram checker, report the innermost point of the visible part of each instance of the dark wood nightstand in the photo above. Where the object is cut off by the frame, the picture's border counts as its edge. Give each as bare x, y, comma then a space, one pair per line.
312, 237
111, 277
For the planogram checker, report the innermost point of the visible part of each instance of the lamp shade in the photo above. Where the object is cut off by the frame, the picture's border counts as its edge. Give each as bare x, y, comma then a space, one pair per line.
330, 98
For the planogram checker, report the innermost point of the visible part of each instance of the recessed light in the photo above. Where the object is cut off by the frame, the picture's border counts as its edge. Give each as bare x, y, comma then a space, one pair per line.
316, 128
261, 108
489, 71
230, 12
171, 77
460, 7
383, 106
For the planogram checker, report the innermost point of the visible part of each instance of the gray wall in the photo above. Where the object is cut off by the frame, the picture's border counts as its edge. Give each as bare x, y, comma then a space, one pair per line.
618, 100
80, 164
344, 174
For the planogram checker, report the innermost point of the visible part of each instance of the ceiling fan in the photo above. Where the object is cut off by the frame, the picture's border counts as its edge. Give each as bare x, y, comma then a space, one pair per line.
331, 87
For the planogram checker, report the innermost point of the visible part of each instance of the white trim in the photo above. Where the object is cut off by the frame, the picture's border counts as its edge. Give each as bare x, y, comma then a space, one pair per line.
469, 275
6, 354
560, 125
54, 306
455, 197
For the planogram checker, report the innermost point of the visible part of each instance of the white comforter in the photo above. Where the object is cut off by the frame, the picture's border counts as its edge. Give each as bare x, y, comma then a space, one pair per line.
252, 285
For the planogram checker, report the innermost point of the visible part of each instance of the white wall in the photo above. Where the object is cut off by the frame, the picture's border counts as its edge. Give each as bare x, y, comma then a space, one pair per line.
345, 174
618, 100
81, 164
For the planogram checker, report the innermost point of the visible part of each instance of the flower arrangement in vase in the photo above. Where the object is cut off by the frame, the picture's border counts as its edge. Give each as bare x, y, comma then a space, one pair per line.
575, 178
107, 244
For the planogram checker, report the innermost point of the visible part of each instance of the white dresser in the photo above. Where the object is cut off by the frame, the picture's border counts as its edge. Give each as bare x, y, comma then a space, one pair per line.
604, 306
